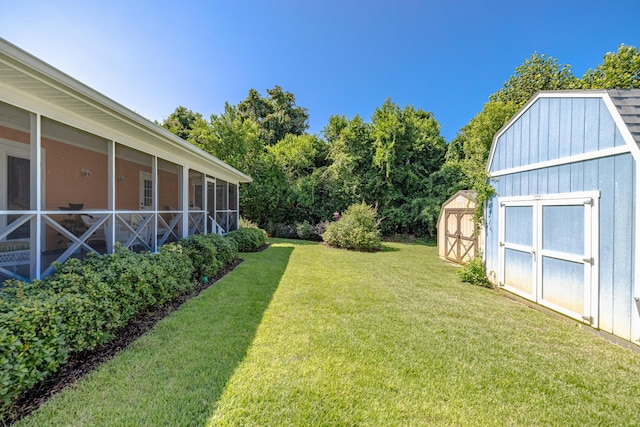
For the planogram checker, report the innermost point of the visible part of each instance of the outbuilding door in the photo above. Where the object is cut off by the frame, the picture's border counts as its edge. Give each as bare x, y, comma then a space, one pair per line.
460, 242
548, 248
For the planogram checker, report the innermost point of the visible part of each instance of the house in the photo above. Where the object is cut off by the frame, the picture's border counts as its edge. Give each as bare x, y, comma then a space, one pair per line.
81, 172
458, 240
562, 229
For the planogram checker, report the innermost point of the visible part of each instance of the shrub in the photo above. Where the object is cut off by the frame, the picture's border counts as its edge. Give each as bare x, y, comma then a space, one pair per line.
474, 273
247, 223
78, 307
285, 231
83, 304
357, 229
306, 231
208, 253
248, 239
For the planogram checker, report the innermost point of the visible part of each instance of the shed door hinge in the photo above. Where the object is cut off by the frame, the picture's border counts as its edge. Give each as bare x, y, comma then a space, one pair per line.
589, 260
589, 202
588, 319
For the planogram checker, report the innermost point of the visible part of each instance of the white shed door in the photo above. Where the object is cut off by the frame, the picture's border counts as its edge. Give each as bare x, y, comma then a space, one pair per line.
547, 248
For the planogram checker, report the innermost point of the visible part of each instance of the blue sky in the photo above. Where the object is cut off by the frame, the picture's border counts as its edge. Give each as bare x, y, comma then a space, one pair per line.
337, 57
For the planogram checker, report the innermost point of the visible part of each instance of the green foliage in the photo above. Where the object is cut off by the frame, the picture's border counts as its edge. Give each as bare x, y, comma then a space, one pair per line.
620, 70
307, 231
538, 72
181, 122
357, 229
275, 116
477, 137
229, 137
248, 239
78, 307
208, 254
474, 273
247, 223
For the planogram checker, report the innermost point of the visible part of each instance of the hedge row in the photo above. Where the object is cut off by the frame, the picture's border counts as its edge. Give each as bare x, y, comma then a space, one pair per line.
248, 239
83, 303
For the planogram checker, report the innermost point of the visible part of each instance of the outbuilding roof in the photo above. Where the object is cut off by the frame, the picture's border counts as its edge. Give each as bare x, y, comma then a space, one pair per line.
628, 104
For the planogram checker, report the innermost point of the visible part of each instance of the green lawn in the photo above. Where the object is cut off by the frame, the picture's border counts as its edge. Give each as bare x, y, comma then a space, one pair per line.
303, 335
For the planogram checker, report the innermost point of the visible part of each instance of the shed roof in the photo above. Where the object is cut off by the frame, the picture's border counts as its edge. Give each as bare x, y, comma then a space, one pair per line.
23, 76
627, 101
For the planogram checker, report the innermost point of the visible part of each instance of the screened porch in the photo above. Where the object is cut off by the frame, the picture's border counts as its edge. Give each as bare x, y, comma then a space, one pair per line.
66, 193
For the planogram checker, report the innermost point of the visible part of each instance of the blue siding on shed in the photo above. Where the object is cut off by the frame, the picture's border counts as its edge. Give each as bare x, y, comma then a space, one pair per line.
614, 177
623, 232
551, 129
554, 128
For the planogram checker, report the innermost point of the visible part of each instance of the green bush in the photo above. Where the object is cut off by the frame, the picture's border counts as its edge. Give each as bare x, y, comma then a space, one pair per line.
208, 253
248, 239
474, 273
357, 229
84, 303
306, 231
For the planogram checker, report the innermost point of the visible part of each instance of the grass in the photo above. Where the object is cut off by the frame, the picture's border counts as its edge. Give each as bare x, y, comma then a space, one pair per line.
305, 335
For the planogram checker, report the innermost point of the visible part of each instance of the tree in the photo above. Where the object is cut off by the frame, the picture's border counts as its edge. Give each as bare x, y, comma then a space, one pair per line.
232, 139
181, 122
350, 146
538, 72
620, 70
275, 116
408, 148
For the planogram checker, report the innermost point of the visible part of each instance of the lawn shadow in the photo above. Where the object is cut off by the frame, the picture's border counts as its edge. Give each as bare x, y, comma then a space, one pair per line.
385, 248
252, 287
183, 364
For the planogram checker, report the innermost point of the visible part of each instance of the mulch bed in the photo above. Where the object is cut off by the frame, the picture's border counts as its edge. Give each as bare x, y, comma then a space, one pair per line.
81, 363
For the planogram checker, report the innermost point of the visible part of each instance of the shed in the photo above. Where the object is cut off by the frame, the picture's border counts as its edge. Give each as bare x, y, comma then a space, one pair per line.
562, 229
457, 237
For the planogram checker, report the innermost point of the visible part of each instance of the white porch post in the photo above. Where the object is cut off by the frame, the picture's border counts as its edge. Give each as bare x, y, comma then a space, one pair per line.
110, 231
184, 202
238, 205
36, 195
154, 203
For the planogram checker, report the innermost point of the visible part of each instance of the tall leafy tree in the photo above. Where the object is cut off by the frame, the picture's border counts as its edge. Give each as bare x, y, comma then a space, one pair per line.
619, 70
538, 72
232, 139
275, 115
351, 150
181, 122
408, 148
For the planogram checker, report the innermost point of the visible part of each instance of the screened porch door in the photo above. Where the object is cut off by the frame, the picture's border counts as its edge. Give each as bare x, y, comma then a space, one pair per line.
547, 252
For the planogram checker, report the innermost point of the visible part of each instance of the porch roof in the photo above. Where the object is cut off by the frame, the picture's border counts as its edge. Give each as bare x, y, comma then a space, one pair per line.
26, 81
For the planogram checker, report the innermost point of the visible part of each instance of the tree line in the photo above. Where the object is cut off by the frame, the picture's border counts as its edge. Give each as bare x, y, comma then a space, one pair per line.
397, 161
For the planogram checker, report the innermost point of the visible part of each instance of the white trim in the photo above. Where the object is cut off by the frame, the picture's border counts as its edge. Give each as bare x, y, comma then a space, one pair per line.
607, 152
635, 292
38, 185
145, 176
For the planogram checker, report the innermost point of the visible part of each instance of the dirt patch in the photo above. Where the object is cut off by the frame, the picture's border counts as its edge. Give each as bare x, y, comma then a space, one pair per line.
80, 364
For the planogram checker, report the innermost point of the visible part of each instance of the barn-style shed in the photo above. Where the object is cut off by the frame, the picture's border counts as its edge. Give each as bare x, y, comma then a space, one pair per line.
562, 229
457, 237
